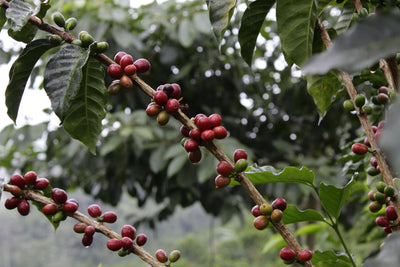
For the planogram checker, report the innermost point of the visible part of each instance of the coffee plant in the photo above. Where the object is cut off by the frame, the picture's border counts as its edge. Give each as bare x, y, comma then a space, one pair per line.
347, 54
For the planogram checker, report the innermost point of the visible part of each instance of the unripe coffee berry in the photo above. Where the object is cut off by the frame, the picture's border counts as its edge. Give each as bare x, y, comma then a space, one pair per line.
163, 118
287, 254
172, 106
114, 244
382, 221
125, 61
58, 19
191, 145
174, 255
266, 209
71, 23
12, 203
359, 100
383, 98
115, 71
224, 168
222, 181
118, 56
389, 191
128, 231
279, 203
141, 239
41, 183
359, 149
59, 195
126, 242
94, 210
153, 109
30, 178
260, 222
220, 132
18, 180
391, 213
102, 47
114, 88
380, 186
195, 134
23, 207
126, 82
50, 209
207, 135
241, 165
142, 65
80, 227
348, 105
161, 255
195, 156
109, 217
161, 98
239, 154
58, 217
15, 190
86, 38
256, 211
304, 255
87, 240
375, 206
276, 215
371, 195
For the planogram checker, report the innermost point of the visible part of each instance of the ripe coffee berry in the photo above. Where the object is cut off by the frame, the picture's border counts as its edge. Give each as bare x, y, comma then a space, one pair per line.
371, 195
90, 230
114, 244
80, 227
50, 209
94, 210
207, 135
375, 206
215, 119
30, 178
59, 195
69, 208
130, 70
128, 231
198, 117
304, 255
172, 106
239, 154
220, 132
115, 71
161, 98
18, 180
279, 203
374, 162
383, 89
276, 215
125, 61
382, 221
177, 91
222, 181
142, 65
185, 131
387, 229
224, 168
191, 145
260, 222
125, 82
118, 56
204, 123
126, 242
256, 211
11, 203
391, 213
87, 240
195, 134
23, 207
195, 156
383, 98
141, 239
109, 217
153, 109
287, 254
359, 149
41, 183
161, 255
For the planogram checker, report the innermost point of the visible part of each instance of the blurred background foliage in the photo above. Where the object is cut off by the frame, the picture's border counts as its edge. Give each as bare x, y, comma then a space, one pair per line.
265, 107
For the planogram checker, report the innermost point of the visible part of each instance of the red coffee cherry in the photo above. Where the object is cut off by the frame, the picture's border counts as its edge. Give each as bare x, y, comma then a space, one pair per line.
185, 131
130, 70
161, 255
125, 61
382, 221
114, 244
204, 123
161, 98
23, 207
50, 209
198, 117
387, 229
128, 231
80, 227
383, 98
126, 82
153, 109
126, 242
195, 156
168, 89
30, 178
87, 240
12, 203
207, 135
304, 255
381, 125
195, 134
69, 208
239, 154
256, 211
220, 132
118, 56
109, 217
222, 181
279, 203
94, 210
142, 65
191, 145
172, 106
224, 168
41, 183
383, 89
141, 239
391, 213
371, 195
90, 230
260, 222
114, 88
359, 149
18, 180
115, 71
287, 254
366, 142
215, 119
373, 162
59, 195
177, 91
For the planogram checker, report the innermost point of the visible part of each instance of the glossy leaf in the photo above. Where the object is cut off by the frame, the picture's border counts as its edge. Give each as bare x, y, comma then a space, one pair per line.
292, 215
86, 111
330, 259
268, 174
333, 198
323, 90
220, 14
359, 47
20, 72
296, 21
252, 20
345, 18
186, 33
62, 77
26, 34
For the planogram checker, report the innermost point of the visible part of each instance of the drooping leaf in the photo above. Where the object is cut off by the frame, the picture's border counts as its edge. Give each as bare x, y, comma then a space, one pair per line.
329, 258
389, 255
26, 34
333, 198
20, 72
292, 215
87, 109
62, 77
220, 14
361, 46
18, 14
345, 18
3, 17
252, 20
268, 174
296, 21
186, 33
41, 9
323, 90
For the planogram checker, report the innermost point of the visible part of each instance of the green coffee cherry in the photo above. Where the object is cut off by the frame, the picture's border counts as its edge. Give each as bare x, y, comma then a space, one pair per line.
58, 19
348, 105
359, 100
266, 209
58, 217
102, 47
86, 38
363, 12
380, 186
174, 255
77, 42
372, 171
241, 165
389, 191
55, 39
71, 23
380, 197
368, 109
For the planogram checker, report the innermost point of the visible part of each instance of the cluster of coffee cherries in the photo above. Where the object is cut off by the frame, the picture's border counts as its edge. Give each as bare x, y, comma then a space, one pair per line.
123, 68
208, 129
226, 171
289, 256
165, 102
62, 206
18, 183
268, 212
379, 197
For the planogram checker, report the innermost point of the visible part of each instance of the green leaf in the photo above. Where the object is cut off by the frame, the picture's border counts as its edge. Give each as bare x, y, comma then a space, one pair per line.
157, 159
274, 242
310, 229
322, 4
3, 17
323, 90
330, 259
62, 77
345, 18
220, 12
296, 20
20, 72
86, 111
252, 20
176, 165
18, 14
361, 46
292, 215
186, 33
333, 198
268, 174
26, 34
